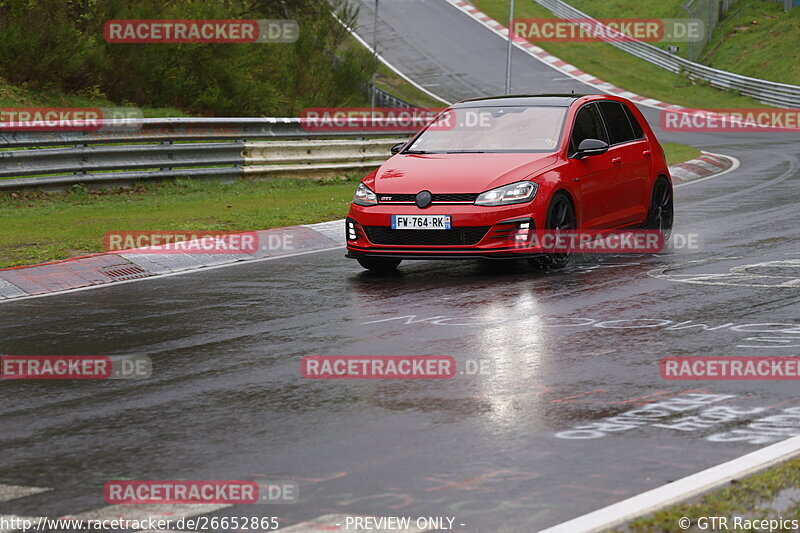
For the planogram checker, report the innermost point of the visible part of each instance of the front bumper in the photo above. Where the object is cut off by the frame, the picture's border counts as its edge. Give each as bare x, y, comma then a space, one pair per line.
477, 232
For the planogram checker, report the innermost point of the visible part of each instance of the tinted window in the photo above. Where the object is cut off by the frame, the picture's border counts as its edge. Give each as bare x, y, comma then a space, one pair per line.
619, 127
493, 129
588, 125
638, 132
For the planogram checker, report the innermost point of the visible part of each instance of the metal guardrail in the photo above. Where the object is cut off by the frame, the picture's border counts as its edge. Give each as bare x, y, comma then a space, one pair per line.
322, 157
768, 92
124, 152
384, 99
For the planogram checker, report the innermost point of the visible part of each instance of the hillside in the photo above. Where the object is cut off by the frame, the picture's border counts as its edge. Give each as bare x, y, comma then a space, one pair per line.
755, 37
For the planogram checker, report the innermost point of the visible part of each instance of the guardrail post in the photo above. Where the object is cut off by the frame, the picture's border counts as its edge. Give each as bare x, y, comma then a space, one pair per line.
81, 172
167, 142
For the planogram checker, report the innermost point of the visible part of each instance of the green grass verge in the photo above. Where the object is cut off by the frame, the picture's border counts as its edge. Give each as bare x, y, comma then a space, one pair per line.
678, 153
36, 227
758, 39
393, 84
751, 498
642, 9
624, 70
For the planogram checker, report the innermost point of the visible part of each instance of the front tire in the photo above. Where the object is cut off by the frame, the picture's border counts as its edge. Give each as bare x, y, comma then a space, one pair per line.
379, 264
560, 217
660, 213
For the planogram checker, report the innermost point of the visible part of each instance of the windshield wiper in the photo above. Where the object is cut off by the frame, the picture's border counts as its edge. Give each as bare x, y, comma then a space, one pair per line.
415, 152
465, 152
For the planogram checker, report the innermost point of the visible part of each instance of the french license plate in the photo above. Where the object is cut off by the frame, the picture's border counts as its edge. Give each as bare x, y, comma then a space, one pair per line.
420, 221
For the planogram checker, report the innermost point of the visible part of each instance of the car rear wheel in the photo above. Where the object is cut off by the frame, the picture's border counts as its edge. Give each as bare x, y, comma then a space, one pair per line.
379, 264
560, 217
660, 214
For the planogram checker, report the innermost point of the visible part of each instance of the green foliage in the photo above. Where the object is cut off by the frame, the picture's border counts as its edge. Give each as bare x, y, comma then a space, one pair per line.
754, 38
37, 226
58, 45
758, 39
678, 153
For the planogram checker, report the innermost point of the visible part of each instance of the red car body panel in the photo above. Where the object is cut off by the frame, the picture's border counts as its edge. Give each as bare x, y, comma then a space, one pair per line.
608, 191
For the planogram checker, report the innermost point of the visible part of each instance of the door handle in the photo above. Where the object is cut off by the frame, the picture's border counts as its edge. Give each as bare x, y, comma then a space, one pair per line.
646, 152
617, 161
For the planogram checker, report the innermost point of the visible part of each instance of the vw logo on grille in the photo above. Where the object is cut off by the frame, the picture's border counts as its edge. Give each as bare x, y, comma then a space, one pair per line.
423, 199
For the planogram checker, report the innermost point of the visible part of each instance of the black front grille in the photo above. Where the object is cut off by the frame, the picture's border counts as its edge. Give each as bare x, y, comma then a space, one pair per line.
454, 197
437, 198
467, 235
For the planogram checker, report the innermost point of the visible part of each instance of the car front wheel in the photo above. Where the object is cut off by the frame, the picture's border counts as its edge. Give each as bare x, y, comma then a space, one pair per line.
560, 218
660, 213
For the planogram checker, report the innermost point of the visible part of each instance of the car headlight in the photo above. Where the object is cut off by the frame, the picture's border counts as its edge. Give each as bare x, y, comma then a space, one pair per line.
364, 196
513, 193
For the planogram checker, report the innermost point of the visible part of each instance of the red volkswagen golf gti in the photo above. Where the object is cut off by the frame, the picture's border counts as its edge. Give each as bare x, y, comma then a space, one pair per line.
487, 172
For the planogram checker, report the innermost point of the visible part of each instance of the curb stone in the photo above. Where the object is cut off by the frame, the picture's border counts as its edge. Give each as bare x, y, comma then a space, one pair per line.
114, 267
705, 166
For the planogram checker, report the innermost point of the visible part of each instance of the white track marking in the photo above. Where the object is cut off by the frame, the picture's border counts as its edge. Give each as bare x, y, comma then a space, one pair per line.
145, 511
739, 276
680, 490
12, 492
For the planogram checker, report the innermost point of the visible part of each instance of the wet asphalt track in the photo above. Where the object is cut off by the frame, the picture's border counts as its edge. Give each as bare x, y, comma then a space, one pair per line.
497, 451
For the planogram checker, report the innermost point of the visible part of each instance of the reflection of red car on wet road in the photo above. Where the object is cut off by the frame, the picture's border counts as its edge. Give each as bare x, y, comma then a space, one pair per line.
488, 172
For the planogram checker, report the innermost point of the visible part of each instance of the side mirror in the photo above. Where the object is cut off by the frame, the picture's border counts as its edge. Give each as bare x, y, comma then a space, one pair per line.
589, 147
397, 147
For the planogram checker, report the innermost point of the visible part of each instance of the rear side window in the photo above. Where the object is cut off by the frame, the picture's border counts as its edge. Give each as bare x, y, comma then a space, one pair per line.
619, 127
588, 125
638, 132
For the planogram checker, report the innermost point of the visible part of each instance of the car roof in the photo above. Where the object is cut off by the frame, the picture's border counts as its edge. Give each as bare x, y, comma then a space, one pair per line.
555, 100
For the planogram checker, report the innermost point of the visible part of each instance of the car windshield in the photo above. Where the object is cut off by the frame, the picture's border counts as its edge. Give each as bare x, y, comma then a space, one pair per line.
492, 129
